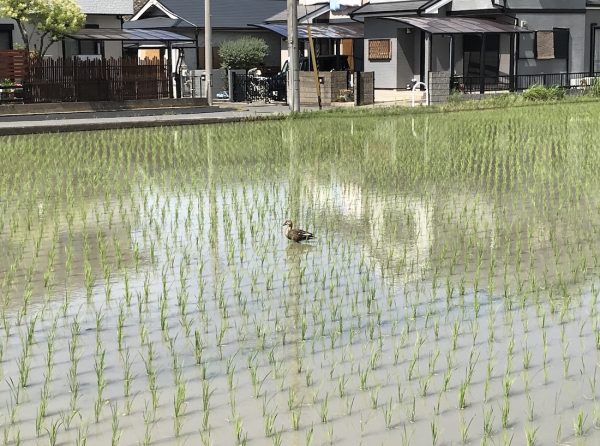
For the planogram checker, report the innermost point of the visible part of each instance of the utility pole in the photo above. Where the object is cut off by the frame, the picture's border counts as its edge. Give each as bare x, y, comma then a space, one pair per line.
294, 62
208, 50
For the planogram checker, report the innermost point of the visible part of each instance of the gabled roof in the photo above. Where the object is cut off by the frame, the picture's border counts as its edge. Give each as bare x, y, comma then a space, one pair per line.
387, 8
156, 23
233, 14
305, 12
112, 7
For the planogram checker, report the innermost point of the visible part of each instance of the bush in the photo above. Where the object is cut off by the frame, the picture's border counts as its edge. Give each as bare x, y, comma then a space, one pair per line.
595, 88
244, 53
543, 93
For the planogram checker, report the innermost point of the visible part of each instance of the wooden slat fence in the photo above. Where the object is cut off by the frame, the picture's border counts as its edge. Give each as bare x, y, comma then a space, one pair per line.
73, 80
13, 65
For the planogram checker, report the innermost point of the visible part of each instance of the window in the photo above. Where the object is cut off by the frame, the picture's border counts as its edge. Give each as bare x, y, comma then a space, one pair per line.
73, 47
472, 55
6, 42
90, 47
380, 49
561, 43
545, 45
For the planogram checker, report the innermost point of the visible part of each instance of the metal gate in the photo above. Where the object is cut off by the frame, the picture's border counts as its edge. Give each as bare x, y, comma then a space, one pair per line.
252, 88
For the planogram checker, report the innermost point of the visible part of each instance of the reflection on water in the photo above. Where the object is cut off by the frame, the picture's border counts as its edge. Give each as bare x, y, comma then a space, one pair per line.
433, 233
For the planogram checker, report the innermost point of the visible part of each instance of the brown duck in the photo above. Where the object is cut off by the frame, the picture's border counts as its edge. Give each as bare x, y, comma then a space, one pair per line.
296, 235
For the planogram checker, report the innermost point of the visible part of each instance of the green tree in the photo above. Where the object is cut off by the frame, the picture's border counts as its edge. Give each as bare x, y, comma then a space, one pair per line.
244, 53
49, 20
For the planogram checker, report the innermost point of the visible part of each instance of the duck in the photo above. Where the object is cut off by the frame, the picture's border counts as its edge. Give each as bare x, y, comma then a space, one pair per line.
296, 235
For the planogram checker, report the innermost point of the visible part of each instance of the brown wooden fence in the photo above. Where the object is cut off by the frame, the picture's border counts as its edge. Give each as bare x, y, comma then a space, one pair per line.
73, 80
13, 65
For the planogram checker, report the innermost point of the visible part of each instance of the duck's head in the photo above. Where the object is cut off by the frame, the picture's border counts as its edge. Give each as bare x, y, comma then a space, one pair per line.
288, 223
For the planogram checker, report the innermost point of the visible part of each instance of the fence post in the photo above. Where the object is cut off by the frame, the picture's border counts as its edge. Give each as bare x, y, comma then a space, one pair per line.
357, 86
230, 84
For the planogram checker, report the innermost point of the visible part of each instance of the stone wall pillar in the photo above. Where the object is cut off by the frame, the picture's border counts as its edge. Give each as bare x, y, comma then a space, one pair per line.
364, 88
439, 87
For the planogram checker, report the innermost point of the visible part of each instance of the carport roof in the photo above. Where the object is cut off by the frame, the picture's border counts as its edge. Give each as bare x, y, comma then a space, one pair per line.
320, 30
129, 35
459, 25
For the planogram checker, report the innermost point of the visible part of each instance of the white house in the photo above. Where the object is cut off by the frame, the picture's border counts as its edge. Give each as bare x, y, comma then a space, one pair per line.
100, 14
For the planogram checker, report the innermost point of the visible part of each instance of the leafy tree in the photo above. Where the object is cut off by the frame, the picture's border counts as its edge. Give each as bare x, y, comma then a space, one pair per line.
50, 20
244, 53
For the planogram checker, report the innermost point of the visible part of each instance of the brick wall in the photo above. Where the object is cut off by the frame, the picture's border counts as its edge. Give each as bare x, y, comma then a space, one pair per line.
439, 87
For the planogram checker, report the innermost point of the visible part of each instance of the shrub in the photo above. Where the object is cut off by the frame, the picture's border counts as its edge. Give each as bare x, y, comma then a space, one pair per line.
595, 88
543, 93
244, 53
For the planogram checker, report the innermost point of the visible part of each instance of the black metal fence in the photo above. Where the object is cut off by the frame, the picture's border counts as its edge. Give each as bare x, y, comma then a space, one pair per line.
252, 88
479, 84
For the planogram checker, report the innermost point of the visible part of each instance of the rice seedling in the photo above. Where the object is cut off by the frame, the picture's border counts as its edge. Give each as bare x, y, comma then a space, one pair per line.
52, 431
579, 423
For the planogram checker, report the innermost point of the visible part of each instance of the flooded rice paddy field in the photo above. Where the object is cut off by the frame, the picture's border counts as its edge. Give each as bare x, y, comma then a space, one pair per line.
148, 295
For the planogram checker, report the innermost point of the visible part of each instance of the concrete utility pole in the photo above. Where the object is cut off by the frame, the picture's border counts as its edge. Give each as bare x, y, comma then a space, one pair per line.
208, 50
293, 56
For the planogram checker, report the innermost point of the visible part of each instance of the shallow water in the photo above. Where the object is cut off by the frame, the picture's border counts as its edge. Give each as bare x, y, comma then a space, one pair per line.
144, 274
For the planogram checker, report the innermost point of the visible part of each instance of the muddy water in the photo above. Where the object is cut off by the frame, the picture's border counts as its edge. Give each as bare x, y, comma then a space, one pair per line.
149, 296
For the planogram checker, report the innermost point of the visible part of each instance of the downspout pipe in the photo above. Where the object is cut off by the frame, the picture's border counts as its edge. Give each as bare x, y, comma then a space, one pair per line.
593, 27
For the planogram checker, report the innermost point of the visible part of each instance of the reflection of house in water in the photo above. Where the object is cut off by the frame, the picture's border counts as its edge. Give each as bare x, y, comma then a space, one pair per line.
392, 225
405, 232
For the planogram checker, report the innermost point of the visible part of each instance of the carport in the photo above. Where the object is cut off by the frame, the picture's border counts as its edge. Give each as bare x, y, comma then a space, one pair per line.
154, 38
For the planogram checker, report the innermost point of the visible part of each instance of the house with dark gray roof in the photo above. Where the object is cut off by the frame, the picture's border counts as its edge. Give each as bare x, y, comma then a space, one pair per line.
231, 19
482, 44
99, 16
334, 32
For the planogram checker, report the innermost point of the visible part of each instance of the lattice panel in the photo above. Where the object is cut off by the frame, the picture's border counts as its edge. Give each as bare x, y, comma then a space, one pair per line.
380, 49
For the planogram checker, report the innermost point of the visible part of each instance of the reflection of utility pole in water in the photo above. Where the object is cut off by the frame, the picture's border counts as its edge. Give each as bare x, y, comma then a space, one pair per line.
213, 229
424, 138
294, 176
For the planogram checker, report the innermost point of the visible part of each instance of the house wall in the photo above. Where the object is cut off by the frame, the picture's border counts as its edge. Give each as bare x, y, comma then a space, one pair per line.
545, 4
504, 67
458, 55
470, 5
406, 58
592, 16
440, 54
576, 23
386, 72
